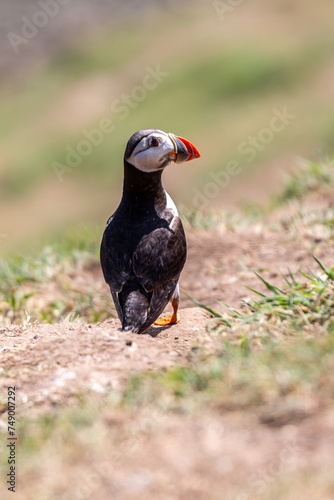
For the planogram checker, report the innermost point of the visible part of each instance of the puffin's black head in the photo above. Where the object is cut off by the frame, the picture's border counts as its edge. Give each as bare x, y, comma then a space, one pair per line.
151, 150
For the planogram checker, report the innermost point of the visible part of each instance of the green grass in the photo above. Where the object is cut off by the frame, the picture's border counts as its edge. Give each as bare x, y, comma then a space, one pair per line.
26, 279
242, 376
305, 303
307, 178
73, 246
284, 339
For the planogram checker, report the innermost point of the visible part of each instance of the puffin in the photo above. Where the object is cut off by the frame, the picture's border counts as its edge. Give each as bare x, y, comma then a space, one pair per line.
143, 248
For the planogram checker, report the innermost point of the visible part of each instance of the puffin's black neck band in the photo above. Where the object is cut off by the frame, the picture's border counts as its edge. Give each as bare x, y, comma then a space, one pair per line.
141, 188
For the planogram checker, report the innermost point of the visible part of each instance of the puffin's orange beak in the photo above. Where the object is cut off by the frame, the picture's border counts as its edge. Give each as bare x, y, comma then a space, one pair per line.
184, 150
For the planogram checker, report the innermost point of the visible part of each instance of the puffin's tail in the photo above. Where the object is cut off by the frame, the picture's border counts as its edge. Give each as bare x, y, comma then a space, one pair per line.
135, 302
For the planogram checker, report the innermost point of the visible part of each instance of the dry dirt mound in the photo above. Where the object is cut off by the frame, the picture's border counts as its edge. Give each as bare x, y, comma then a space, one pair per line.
49, 363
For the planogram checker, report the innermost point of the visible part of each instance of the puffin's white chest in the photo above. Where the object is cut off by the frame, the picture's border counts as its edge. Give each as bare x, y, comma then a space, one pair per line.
170, 205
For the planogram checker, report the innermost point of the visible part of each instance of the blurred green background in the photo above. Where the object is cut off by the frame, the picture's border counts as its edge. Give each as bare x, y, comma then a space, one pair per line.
224, 69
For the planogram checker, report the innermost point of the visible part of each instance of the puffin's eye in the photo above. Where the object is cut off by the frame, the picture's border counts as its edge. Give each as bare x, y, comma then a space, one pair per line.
154, 142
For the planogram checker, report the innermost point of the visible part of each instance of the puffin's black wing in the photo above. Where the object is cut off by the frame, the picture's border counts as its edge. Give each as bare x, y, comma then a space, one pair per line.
157, 262
159, 299
160, 256
115, 256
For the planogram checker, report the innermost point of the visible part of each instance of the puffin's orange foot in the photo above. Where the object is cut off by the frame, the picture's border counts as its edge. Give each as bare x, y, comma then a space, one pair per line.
168, 320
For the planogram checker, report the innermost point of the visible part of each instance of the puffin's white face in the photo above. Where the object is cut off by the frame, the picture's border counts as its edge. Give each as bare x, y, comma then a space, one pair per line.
154, 152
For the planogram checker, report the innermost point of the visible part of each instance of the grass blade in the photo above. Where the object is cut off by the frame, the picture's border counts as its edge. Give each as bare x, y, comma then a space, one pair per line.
203, 306
329, 273
274, 289
255, 291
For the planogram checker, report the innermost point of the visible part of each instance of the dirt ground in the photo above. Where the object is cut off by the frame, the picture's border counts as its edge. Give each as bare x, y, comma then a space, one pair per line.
74, 357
